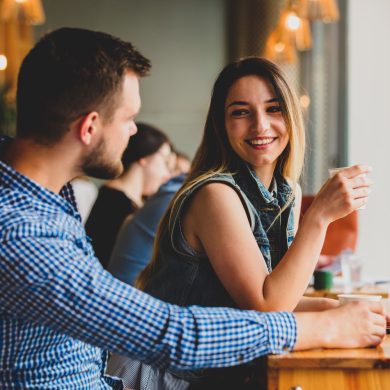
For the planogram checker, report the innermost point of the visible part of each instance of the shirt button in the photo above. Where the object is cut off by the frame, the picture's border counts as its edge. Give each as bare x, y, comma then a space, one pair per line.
240, 359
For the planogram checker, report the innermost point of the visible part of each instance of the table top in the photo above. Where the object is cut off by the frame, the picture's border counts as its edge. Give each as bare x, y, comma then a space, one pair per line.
332, 293
378, 357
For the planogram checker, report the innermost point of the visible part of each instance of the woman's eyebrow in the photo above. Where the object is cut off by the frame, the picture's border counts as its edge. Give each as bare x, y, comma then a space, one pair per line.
243, 103
237, 103
275, 99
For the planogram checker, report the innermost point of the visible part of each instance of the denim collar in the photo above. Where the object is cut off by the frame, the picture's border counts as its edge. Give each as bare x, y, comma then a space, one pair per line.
278, 193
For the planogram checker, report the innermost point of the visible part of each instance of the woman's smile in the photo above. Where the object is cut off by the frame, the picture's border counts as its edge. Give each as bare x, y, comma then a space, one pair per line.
260, 143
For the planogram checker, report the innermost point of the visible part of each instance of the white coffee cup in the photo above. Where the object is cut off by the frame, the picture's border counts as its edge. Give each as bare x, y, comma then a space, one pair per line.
344, 298
333, 171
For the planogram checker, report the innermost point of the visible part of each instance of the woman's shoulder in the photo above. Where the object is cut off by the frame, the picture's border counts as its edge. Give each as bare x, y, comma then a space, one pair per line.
220, 192
210, 181
219, 188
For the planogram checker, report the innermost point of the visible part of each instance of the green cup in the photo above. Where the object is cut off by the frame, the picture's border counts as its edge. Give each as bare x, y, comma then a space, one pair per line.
323, 280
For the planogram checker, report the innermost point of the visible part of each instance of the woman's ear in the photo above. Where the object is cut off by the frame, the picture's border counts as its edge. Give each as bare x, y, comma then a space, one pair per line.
88, 127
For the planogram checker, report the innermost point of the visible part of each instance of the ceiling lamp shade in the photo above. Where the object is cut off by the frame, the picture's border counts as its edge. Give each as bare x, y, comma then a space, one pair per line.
326, 11
26, 11
295, 28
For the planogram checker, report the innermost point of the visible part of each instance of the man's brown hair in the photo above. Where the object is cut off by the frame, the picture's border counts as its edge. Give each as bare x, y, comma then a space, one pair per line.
69, 73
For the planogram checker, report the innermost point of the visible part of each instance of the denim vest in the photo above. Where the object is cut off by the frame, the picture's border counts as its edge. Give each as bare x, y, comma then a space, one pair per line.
184, 276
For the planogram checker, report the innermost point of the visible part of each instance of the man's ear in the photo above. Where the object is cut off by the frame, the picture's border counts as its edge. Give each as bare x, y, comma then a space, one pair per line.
143, 161
88, 127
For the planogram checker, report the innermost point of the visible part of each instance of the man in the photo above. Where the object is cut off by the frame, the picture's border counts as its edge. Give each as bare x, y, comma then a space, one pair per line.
78, 95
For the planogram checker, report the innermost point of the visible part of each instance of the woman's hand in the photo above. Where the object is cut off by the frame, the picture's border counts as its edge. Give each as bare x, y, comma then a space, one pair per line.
345, 192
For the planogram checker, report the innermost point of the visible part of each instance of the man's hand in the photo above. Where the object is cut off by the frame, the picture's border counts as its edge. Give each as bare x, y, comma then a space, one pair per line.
353, 325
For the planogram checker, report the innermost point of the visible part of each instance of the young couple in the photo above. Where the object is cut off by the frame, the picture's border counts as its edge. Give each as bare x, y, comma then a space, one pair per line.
225, 241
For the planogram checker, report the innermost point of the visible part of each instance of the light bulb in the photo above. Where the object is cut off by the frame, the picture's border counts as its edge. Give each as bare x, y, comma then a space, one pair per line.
293, 22
3, 62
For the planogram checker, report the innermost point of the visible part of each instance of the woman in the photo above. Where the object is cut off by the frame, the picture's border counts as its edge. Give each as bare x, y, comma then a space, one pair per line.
146, 166
225, 239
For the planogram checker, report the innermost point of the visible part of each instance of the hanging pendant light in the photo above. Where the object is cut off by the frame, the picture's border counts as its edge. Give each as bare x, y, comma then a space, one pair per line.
291, 34
326, 11
26, 11
295, 28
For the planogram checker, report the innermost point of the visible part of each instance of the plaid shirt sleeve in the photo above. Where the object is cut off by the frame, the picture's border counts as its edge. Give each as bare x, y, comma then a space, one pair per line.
57, 282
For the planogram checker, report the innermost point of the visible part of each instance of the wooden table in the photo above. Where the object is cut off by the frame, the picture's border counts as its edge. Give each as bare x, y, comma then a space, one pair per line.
332, 293
332, 369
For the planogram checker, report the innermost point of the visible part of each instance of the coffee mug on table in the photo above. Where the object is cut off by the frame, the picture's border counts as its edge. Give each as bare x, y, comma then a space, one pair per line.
343, 298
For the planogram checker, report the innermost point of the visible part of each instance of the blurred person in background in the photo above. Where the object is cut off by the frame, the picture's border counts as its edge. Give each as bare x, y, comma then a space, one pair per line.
182, 163
146, 163
134, 244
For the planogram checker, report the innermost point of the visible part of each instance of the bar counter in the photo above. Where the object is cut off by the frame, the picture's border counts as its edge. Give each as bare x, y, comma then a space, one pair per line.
331, 369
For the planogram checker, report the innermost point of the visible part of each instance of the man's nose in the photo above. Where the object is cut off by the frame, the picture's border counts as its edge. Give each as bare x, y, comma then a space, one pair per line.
133, 130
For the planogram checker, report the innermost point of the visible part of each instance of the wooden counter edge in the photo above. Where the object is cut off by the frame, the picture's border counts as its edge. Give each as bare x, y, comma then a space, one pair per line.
365, 358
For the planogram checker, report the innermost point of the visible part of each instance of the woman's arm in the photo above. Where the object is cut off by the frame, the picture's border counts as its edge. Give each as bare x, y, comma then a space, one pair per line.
308, 303
297, 207
217, 224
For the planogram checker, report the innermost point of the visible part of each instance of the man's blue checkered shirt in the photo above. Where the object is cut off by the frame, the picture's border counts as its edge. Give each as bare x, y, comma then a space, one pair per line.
59, 309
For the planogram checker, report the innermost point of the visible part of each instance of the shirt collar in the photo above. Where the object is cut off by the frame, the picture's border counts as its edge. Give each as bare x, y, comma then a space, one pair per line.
278, 190
273, 188
12, 179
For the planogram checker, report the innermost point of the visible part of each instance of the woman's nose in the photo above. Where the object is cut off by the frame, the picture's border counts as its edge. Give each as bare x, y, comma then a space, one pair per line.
262, 122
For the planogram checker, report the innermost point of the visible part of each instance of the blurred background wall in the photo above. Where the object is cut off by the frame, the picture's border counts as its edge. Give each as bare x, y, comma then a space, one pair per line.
369, 123
344, 79
185, 40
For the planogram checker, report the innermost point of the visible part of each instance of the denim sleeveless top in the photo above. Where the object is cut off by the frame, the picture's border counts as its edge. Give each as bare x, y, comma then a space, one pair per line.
184, 276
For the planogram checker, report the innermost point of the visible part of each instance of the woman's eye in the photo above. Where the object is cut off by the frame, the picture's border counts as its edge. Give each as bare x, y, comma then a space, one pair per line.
239, 112
274, 109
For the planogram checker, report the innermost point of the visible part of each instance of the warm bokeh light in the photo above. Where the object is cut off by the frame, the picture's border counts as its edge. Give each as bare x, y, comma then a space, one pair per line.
304, 101
279, 47
293, 22
3, 62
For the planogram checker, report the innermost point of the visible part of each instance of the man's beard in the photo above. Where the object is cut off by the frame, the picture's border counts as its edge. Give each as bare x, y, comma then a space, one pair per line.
97, 165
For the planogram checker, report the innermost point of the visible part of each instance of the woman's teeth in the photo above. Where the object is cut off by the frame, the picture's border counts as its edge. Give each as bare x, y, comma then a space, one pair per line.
263, 141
